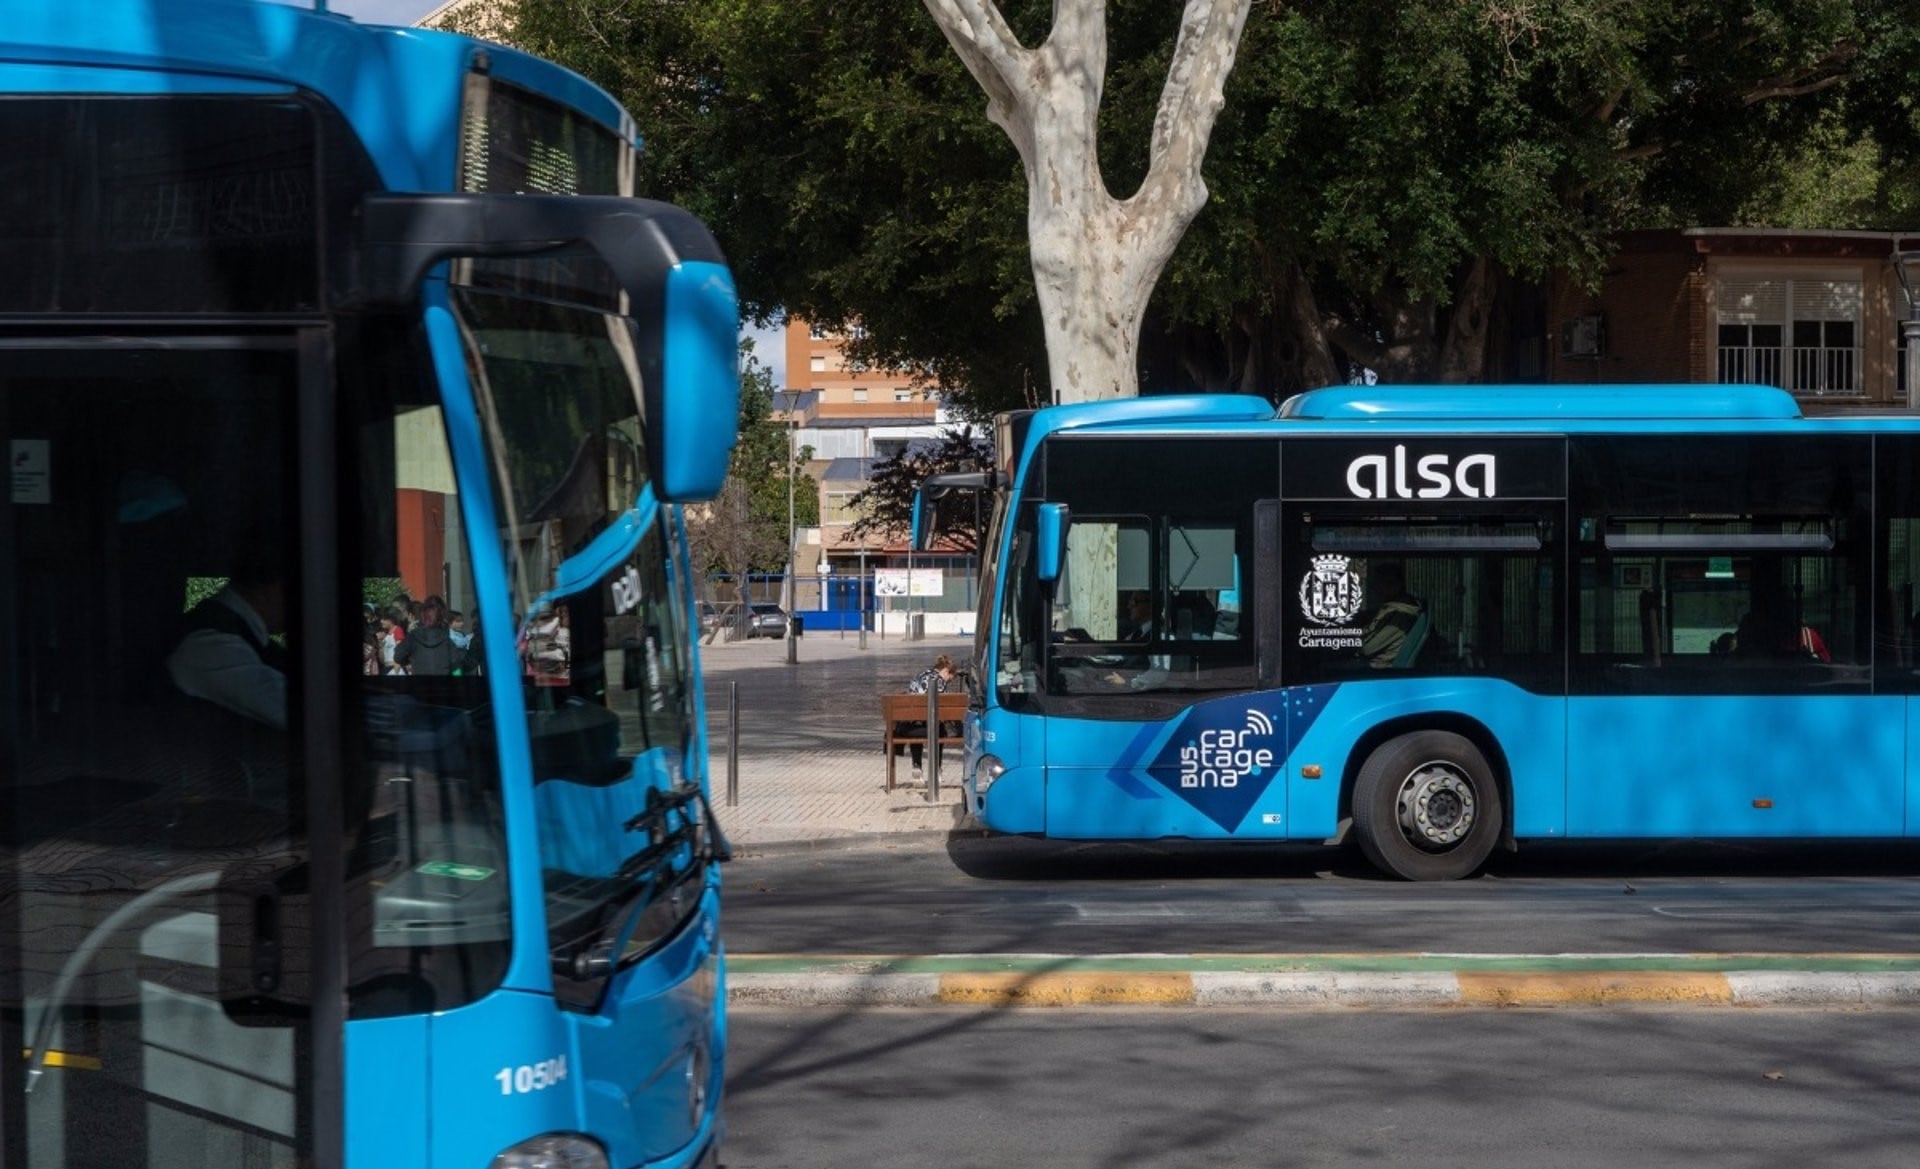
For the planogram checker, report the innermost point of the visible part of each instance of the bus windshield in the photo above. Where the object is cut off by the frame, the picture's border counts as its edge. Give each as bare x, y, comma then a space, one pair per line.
602, 651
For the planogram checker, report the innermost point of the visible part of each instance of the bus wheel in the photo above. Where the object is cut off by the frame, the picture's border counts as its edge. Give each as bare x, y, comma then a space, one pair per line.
1427, 807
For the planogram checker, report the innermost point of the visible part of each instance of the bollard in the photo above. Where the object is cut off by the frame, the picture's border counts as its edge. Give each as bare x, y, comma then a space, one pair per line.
733, 744
933, 741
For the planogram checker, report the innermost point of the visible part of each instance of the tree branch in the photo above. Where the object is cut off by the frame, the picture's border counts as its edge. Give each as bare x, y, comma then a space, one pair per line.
992, 54
1309, 330
1604, 113
1190, 101
1811, 78
1073, 61
1354, 343
1755, 97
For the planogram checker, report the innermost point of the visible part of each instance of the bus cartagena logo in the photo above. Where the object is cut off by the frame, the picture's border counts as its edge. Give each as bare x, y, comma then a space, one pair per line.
1472, 477
1224, 757
1226, 753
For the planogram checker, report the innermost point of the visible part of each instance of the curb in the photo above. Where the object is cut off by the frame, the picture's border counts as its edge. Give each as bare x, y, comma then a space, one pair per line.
850, 841
1823, 981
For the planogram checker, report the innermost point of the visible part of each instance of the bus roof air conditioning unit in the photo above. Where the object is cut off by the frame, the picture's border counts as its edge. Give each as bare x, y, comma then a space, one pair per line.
1584, 337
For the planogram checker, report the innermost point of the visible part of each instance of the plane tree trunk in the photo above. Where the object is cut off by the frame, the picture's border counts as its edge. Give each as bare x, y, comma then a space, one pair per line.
1096, 258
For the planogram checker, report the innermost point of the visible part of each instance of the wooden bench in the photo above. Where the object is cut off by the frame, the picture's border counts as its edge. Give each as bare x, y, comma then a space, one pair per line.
912, 708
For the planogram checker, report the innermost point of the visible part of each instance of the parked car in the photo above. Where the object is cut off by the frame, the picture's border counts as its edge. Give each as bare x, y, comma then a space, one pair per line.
709, 618
766, 620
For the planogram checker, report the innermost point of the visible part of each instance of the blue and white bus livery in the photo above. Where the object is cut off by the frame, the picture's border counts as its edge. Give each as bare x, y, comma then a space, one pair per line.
1442, 619
305, 324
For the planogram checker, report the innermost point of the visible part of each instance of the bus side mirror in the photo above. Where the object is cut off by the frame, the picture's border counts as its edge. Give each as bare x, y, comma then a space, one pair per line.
920, 537
686, 321
926, 527
693, 403
1050, 552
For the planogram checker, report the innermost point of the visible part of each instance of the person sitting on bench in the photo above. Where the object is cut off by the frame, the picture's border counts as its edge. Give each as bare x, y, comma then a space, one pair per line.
935, 678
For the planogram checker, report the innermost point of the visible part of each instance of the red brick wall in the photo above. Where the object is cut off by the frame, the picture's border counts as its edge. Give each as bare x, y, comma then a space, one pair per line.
421, 532
1654, 306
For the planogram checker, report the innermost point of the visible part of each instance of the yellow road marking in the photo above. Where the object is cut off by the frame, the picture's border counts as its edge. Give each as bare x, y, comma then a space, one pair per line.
1596, 988
1067, 988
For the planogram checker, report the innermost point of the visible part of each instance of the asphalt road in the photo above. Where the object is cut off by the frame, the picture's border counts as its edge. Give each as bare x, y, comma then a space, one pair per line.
1140, 1089
972, 895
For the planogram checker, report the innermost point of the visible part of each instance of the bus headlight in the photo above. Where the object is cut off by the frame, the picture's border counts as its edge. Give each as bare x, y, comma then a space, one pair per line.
555, 1150
989, 769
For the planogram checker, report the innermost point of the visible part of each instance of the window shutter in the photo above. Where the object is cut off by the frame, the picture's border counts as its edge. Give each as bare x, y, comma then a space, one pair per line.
1749, 301
1826, 300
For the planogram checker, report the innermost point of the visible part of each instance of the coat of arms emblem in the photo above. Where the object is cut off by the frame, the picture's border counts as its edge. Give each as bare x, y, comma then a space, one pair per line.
1331, 594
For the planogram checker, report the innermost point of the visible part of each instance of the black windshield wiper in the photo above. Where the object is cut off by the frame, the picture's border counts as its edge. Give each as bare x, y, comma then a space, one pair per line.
649, 861
650, 871
653, 819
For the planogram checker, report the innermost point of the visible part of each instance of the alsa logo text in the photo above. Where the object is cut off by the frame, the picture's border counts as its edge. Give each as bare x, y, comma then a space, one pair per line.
1377, 477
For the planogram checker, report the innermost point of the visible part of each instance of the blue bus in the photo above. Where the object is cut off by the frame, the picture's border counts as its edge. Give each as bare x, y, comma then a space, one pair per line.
1440, 620
353, 796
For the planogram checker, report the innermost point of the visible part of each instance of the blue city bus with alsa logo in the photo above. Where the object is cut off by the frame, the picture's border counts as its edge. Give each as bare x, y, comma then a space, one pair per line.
353, 786
1440, 620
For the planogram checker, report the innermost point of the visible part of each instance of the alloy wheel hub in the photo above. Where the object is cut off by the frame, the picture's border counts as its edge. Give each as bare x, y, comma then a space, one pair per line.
1436, 807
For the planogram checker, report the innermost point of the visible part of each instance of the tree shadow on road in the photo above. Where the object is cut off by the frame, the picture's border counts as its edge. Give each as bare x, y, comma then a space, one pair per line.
1017, 858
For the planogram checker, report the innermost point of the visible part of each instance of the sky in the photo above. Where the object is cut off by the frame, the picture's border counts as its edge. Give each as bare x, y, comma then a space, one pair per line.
377, 11
769, 347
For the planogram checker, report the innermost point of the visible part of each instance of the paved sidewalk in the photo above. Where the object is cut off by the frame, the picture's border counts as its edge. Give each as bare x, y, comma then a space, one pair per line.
811, 770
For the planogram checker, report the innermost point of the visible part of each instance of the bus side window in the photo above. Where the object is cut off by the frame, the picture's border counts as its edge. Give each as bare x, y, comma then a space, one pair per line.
1653, 636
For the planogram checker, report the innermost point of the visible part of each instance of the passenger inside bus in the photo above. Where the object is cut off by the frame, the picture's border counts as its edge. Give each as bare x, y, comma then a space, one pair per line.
1394, 634
227, 655
1759, 636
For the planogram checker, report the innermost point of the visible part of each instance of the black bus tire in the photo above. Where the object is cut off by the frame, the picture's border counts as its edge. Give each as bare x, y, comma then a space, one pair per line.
1426, 807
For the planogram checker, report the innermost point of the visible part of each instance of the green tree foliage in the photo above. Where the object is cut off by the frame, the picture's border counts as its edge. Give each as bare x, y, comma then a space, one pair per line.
840, 154
1398, 163
1383, 174
885, 505
744, 529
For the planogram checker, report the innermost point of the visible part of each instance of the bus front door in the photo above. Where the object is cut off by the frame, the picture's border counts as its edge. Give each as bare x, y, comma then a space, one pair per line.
155, 924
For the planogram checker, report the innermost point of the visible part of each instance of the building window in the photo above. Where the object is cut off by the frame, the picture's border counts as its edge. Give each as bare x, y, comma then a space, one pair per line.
859, 395
818, 363
1800, 333
903, 395
839, 508
1826, 357
816, 332
1750, 353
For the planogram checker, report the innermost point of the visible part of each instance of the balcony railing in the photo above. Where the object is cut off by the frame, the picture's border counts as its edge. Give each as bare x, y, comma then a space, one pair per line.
1821, 371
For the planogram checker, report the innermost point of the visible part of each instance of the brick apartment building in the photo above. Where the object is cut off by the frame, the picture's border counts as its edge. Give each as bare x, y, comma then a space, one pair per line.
852, 418
1814, 312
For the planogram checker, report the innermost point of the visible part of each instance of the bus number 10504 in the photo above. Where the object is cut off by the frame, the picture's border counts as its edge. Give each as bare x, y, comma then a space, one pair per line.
533, 1077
